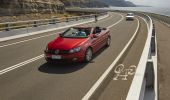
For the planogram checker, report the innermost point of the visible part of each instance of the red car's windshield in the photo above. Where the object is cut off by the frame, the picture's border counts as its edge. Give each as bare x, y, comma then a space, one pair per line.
76, 33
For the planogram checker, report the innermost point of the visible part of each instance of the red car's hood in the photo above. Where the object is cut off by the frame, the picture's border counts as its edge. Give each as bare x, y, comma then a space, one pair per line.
65, 43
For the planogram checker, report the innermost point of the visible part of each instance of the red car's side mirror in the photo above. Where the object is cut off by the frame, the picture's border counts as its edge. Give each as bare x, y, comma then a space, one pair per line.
60, 35
95, 36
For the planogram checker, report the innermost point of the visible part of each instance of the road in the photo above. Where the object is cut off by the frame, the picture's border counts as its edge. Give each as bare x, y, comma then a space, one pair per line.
37, 80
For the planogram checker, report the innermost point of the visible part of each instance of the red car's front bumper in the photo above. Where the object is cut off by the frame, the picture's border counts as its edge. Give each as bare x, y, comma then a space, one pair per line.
61, 58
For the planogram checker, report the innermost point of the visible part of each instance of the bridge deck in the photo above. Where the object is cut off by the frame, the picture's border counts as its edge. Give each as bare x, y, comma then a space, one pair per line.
40, 81
163, 39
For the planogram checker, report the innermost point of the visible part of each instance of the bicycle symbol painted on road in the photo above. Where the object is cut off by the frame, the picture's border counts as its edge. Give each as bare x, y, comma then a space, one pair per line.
122, 73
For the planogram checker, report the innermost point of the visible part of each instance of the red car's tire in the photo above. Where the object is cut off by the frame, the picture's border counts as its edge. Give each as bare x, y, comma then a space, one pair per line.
108, 41
88, 55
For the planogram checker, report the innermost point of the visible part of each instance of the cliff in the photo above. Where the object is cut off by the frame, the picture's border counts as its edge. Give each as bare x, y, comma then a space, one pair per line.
13, 7
97, 3
30, 6
84, 3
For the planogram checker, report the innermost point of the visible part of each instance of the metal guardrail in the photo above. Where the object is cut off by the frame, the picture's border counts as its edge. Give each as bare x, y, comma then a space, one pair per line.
145, 83
7, 26
145, 79
163, 18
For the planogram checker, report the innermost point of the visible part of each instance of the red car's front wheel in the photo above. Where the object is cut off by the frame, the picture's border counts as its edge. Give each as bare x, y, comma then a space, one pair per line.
108, 41
88, 55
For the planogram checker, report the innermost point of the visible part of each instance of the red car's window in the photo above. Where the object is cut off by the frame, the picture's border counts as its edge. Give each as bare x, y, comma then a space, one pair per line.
76, 32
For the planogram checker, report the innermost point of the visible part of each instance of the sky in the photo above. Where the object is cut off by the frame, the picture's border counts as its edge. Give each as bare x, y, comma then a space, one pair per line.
154, 3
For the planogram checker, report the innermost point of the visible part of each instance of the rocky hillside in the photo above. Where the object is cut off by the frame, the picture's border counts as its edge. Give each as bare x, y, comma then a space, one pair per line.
30, 6
97, 3
83, 3
10, 7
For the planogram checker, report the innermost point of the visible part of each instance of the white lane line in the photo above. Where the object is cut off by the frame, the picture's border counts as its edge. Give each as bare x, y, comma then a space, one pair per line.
145, 22
43, 31
110, 16
35, 58
26, 40
21, 64
117, 21
106, 73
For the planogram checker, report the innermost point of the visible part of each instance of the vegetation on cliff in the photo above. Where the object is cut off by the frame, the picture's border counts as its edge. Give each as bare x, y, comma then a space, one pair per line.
84, 3
97, 3
52, 6
42, 9
30, 6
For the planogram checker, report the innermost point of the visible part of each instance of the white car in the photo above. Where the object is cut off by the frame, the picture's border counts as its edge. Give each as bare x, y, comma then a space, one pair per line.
130, 16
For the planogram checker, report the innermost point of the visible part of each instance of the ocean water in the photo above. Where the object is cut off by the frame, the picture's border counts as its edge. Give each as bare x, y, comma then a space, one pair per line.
157, 10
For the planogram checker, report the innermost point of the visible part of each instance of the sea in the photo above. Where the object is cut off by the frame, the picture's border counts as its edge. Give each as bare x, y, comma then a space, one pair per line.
157, 10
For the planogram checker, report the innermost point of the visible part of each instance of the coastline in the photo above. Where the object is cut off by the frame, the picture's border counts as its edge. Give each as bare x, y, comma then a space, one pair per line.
157, 10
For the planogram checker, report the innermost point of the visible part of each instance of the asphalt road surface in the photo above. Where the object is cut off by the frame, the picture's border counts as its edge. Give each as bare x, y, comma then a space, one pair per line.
39, 81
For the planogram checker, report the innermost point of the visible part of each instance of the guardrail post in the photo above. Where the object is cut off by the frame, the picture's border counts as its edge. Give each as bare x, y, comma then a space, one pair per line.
153, 45
149, 75
83, 17
70, 19
52, 21
35, 24
7, 27
153, 30
27, 26
153, 40
57, 20
67, 19
76, 18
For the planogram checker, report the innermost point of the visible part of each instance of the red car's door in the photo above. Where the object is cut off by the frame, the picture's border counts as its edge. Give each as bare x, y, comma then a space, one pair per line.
101, 39
98, 40
94, 44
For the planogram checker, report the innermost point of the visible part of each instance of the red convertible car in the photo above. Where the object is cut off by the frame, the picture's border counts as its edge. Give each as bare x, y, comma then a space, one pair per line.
77, 44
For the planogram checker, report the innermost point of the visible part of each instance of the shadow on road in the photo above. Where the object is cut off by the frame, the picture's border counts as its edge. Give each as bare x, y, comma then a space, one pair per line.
64, 68
58, 68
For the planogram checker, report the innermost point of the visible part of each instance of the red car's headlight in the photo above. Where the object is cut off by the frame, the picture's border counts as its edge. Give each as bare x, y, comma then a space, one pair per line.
74, 50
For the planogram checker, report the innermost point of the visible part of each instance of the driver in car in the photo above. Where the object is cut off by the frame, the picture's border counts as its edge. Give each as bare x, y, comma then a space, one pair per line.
81, 33
97, 30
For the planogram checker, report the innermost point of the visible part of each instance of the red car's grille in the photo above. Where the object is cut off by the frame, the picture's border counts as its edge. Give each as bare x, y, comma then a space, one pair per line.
58, 51
58, 60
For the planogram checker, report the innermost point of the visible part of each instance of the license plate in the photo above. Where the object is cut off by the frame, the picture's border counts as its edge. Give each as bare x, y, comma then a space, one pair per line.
56, 57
